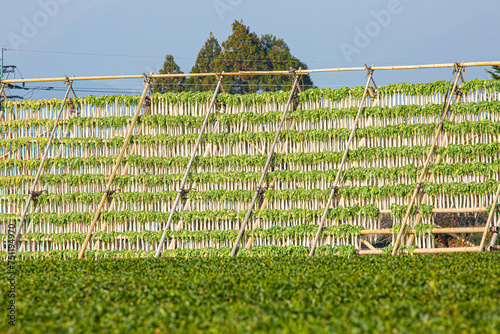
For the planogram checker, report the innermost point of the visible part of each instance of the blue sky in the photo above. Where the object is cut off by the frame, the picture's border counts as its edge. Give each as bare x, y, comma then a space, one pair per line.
324, 34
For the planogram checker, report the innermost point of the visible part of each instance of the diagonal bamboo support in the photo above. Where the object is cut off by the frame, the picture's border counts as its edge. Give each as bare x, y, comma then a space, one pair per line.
181, 190
490, 218
258, 190
124, 172
341, 166
367, 244
115, 168
207, 153
426, 165
273, 183
40, 168
444, 143
59, 153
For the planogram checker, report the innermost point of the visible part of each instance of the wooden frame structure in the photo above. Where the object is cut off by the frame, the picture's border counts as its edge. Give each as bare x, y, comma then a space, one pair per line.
214, 151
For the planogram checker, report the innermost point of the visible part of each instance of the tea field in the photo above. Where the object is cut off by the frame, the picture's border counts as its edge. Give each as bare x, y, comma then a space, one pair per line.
457, 293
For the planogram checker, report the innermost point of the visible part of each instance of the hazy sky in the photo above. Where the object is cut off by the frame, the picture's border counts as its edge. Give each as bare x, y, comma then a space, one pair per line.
105, 37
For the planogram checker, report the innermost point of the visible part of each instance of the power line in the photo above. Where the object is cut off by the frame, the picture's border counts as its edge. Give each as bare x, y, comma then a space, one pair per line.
85, 54
158, 57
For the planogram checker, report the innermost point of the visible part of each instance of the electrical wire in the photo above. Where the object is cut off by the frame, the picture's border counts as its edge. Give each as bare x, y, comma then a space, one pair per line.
184, 58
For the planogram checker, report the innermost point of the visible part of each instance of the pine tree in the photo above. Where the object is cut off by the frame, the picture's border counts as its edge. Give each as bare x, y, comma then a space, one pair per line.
279, 58
205, 63
164, 85
242, 51
495, 73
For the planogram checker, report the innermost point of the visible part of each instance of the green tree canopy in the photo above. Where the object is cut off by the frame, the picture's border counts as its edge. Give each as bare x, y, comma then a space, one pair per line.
164, 85
243, 50
205, 63
279, 58
495, 72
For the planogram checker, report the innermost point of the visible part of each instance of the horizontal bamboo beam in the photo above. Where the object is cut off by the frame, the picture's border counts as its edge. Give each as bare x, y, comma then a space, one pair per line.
426, 250
406, 67
363, 232
300, 72
450, 210
185, 75
434, 230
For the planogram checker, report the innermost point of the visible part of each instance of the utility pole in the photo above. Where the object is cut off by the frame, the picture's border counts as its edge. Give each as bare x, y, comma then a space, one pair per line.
1, 65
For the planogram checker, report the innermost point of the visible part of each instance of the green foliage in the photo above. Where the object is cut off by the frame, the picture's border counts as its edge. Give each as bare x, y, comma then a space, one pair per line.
242, 51
206, 62
124, 216
273, 233
356, 173
495, 72
280, 58
389, 131
423, 229
350, 192
313, 94
425, 210
448, 293
164, 85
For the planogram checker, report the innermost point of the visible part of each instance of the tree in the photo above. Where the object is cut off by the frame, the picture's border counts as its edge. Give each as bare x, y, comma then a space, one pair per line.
205, 63
279, 58
495, 73
164, 85
242, 51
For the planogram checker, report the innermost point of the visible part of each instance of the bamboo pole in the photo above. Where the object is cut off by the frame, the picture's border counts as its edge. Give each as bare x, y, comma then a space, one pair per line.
425, 250
490, 217
451, 210
426, 165
367, 244
258, 190
188, 168
446, 230
299, 72
40, 168
438, 160
273, 182
59, 153
124, 172
341, 166
494, 238
115, 169
208, 152
265, 202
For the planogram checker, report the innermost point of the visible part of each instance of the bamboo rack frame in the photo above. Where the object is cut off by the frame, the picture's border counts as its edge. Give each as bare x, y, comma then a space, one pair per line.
261, 148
